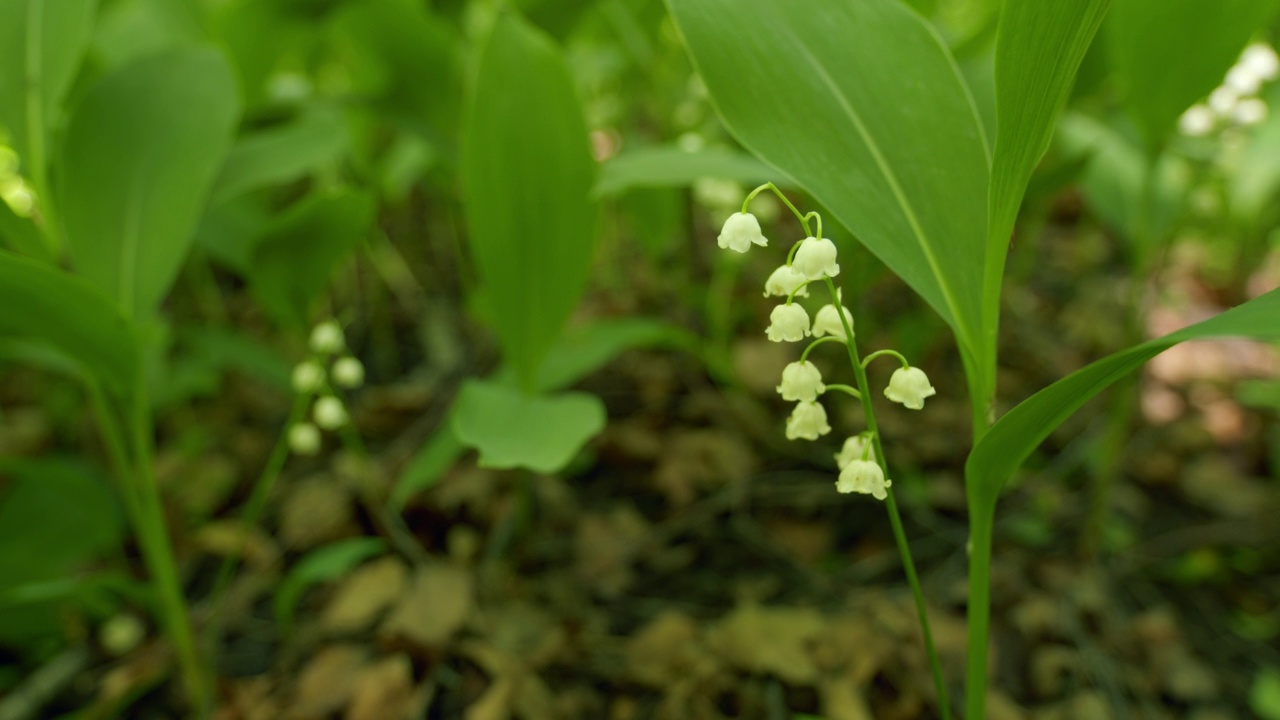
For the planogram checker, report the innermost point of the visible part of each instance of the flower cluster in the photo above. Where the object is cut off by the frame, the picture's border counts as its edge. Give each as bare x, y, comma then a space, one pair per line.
311, 380
814, 259
1236, 100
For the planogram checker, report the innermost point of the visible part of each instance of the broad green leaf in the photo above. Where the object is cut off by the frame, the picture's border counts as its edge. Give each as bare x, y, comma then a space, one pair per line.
141, 152
861, 105
527, 174
1170, 53
41, 43
281, 154
323, 564
47, 306
590, 348
229, 232
1013, 438
673, 167
513, 429
1039, 47
295, 258
21, 235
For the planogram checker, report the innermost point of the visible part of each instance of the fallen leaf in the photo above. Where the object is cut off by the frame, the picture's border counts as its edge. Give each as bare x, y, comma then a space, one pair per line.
385, 691
328, 681
364, 594
434, 607
315, 511
769, 640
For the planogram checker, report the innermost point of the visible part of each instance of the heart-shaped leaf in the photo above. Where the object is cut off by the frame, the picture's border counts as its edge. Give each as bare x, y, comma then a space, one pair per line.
513, 429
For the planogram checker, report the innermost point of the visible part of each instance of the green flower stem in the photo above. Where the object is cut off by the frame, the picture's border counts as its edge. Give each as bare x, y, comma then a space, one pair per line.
804, 221
37, 160
791, 254
804, 356
845, 389
867, 360
792, 295
899, 534
981, 520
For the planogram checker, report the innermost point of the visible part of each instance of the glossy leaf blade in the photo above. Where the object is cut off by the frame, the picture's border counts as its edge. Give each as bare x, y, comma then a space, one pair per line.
527, 177
861, 105
47, 306
141, 152
513, 429
1170, 53
1016, 435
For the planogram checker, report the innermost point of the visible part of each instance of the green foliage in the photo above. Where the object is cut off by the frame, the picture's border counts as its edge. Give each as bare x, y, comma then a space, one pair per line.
66, 314
323, 564
672, 167
527, 174
1264, 696
22, 236
513, 429
142, 149
1170, 53
281, 154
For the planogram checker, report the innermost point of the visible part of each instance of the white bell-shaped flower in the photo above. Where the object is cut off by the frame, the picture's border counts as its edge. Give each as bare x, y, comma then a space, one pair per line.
304, 439
816, 259
329, 413
863, 476
1197, 121
827, 322
858, 447
348, 372
1223, 100
326, 338
1243, 80
1261, 60
784, 281
788, 322
808, 421
801, 380
308, 377
1250, 111
740, 232
910, 387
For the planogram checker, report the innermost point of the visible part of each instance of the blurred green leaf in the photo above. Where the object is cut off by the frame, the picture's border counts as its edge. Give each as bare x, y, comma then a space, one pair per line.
41, 43
590, 348
513, 429
1170, 53
862, 106
294, 260
672, 167
1253, 186
1013, 438
321, 565
229, 232
1264, 696
63, 312
428, 465
281, 154
140, 154
527, 172
21, 235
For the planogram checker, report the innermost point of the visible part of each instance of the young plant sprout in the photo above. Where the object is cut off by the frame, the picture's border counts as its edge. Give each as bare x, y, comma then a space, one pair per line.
861, 460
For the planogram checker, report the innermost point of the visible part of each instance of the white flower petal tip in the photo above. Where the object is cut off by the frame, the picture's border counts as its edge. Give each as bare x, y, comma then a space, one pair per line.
827, 322
788, 323
740, 232
858, 447
801, 381
910, 387
863, 476
816, 259
326, 338
808, 422
784, 281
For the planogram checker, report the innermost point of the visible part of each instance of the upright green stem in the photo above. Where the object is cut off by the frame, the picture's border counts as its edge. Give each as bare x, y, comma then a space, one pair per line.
899, 533
981, 520
37, 160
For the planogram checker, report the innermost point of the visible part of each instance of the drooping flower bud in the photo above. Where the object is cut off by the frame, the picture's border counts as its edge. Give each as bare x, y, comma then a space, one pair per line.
801, 381
329, 413
1250, 111
348, 372
816, 259
858, 447
308, 377
863, 476
788, 322
326, 338
740, 231
304, 439
827, 322
1197, 121
808, 421
910, 387
784, 281
1262, 61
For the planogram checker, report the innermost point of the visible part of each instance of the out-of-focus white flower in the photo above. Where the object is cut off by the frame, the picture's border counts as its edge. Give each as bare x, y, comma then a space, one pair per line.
326, 338
740, 232
1223, 100
827, 322
348, 372
329, 413
801, 380
1250, 111
121, 633
304, 439
308, 377
1261, 60
788, 323
863, 476
910, 387
808, 421
858, 447
1197, 121
784, 281
1242, 79
816, 259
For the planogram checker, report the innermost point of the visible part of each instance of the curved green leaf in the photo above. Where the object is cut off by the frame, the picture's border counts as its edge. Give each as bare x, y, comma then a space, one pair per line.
281, 154
671, 166
862, 106
1013, 438
527, 174
141, 152
47, 306
321, 565
513, 429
